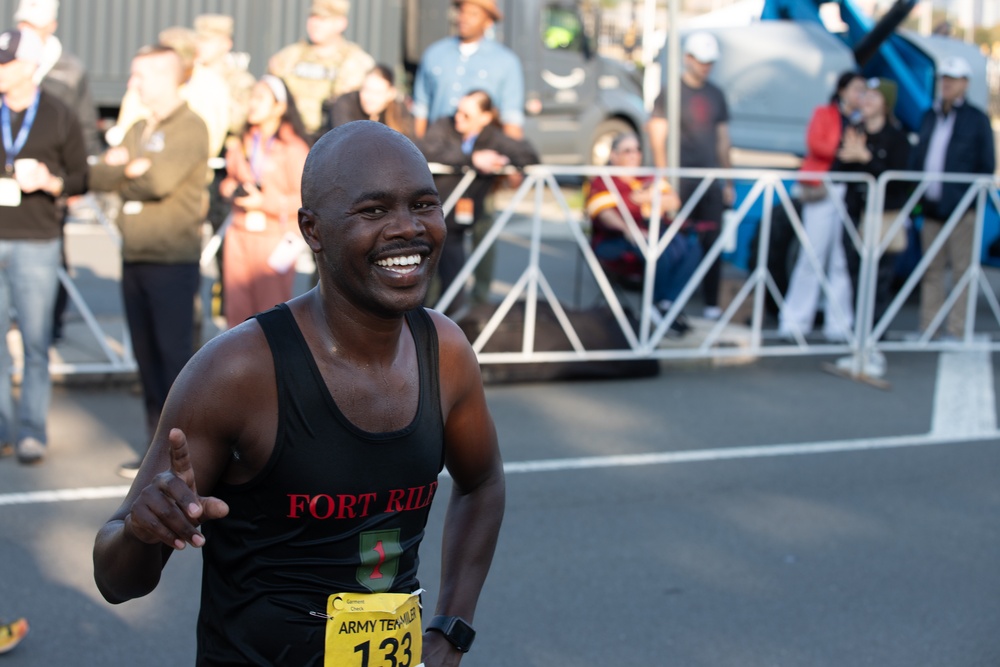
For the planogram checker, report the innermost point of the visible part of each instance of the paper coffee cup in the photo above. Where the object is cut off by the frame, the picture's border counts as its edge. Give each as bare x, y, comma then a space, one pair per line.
25, 168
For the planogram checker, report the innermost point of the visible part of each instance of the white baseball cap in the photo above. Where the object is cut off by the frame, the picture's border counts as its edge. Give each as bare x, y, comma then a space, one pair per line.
20, 45
38, 13
702, 46
955, 67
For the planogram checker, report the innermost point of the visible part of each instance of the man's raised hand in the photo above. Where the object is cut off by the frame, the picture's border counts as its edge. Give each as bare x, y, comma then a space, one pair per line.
169, 509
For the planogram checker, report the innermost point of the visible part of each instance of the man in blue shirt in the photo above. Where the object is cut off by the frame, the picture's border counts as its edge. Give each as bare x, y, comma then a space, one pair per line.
455, 66
469, 61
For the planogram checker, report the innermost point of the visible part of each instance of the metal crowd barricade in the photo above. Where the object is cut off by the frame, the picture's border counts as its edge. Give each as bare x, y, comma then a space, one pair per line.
769, 191
645, 340
115, 361
982, 191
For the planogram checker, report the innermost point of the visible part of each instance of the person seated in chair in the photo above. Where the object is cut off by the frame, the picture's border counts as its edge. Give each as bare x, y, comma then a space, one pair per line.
614, 244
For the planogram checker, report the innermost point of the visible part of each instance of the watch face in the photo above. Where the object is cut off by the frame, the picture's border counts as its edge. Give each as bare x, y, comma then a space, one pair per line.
461, 634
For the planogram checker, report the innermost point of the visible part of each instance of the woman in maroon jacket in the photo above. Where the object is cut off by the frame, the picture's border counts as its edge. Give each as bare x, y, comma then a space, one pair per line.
263, 174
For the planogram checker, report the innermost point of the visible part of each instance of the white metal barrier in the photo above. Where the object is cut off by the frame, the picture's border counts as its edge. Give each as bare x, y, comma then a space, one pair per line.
114, 360
982, 191
769, 188
645, 338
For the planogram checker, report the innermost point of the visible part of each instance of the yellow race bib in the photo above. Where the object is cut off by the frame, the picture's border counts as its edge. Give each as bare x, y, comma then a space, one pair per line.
373, 630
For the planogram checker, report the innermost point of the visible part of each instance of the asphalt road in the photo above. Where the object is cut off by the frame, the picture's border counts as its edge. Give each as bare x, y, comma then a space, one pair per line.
882, 556
768, 514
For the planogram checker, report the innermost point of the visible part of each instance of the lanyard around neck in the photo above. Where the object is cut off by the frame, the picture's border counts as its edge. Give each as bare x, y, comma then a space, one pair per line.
11, 146
257, 155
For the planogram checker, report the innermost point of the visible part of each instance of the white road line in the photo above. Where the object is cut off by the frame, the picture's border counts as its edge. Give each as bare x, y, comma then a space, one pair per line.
730, 453
964, 411
964, 401
63, 495
592, 462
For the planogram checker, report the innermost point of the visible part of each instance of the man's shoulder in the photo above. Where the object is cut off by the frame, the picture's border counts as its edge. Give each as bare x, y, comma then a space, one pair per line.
445, 45
494, 49
186, 125
287, 56
715, 90
352, 50
971, 111
451, 338
237, 354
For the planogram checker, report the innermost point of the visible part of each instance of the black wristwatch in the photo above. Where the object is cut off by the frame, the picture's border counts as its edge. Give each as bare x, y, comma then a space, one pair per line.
455, 630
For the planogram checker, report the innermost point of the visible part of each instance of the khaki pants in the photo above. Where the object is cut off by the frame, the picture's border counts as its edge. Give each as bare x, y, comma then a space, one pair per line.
956, 254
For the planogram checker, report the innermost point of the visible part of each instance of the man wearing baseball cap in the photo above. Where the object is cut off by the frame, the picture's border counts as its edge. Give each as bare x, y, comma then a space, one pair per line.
43, 159
323, 66
955, 137
59, 72
705, 143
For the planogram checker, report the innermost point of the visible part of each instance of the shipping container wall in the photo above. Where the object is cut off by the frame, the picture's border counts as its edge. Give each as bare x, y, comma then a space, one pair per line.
106, 33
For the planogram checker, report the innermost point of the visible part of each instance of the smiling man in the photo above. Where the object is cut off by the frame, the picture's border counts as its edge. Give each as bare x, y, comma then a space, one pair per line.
306, 443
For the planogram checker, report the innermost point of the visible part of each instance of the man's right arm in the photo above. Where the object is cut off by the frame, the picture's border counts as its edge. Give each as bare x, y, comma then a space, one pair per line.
656, 129
208, 413
422, 95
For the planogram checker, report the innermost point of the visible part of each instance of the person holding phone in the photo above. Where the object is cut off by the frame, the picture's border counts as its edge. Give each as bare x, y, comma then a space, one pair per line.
263, 171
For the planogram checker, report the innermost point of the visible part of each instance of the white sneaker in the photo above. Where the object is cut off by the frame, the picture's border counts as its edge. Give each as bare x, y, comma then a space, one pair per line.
31, 450
711, 313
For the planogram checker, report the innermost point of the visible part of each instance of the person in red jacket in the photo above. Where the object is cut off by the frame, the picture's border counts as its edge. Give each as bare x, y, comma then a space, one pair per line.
263, 174
822, 221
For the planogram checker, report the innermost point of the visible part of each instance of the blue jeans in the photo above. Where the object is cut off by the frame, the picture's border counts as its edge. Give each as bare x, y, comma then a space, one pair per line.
674, 267
28, 286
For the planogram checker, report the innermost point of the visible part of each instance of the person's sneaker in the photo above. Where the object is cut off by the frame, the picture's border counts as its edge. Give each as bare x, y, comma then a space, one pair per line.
31, 450
681, 324
129, 469
11, 634
712, 313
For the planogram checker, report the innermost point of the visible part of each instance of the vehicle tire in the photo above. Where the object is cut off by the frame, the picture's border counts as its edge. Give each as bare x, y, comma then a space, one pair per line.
606, 131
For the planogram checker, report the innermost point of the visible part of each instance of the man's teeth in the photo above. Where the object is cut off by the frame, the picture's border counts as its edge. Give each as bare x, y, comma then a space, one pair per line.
407, 261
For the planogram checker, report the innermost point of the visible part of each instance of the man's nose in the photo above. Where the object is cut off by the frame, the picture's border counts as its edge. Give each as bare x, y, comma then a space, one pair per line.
407, 223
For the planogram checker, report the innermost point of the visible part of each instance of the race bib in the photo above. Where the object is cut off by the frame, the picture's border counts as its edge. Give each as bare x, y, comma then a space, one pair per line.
373, 630
10, 192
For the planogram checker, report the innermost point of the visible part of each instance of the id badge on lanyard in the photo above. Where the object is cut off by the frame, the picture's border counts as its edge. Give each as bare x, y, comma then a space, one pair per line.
10, 191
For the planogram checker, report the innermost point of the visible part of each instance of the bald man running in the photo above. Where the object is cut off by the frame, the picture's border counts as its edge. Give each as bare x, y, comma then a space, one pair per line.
301, 449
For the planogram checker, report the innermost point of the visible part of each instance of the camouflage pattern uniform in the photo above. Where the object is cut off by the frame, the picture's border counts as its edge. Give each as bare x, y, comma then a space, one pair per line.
313, 80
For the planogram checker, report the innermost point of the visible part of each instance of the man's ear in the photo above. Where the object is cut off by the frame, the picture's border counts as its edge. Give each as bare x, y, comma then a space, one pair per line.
308, 225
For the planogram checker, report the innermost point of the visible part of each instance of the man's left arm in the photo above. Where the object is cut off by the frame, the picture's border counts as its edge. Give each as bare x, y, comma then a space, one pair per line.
724, 147
987, 155
511, 101
74, 160
184, 149
476, 505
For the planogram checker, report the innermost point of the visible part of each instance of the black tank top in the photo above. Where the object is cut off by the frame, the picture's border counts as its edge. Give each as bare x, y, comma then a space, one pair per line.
335, 509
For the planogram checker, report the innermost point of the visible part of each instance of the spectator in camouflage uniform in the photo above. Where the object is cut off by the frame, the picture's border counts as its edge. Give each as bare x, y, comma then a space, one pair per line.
214, 33
325, 65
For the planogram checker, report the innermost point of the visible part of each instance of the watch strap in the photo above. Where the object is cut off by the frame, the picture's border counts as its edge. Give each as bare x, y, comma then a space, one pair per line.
454, 628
